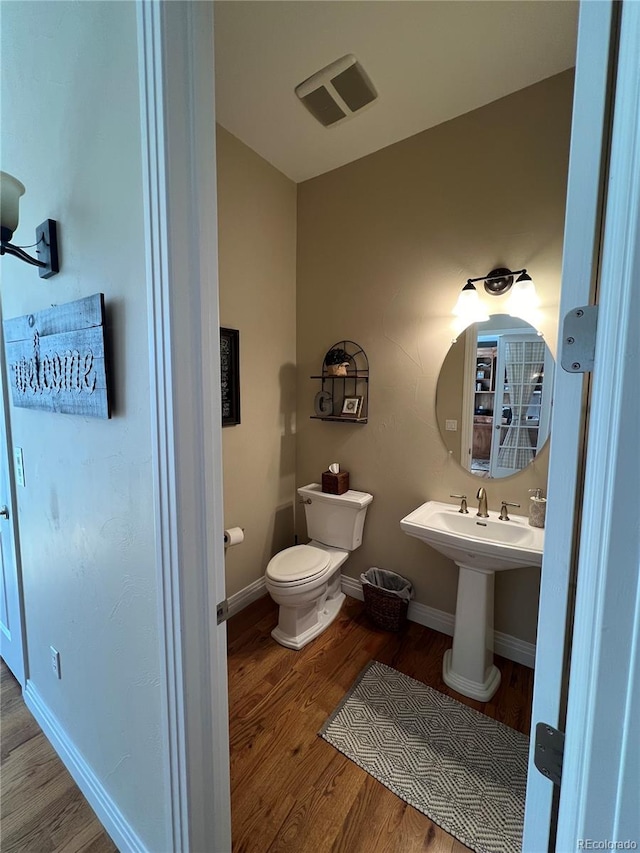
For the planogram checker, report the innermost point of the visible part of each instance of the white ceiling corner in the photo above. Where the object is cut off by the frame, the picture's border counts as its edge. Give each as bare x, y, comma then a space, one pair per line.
430, 60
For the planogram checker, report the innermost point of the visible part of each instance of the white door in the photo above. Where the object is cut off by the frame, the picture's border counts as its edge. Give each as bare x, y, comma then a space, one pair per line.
588, 157
11, 622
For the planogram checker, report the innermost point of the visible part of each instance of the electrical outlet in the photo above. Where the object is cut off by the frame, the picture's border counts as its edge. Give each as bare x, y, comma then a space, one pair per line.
55, 661
451, 425
19, 465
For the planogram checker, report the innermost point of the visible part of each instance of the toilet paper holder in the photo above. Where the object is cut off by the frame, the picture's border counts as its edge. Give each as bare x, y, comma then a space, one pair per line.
233, 536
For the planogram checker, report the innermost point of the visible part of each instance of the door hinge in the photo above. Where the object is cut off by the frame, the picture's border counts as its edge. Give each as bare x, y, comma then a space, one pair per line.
222, 611
579, 339
549, 752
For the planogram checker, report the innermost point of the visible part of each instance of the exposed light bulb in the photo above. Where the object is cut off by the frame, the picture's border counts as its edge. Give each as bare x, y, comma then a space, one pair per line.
468, 309
523, 298
469, 305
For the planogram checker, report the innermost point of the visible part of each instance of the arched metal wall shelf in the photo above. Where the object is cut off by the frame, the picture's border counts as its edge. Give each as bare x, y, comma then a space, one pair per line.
344, 396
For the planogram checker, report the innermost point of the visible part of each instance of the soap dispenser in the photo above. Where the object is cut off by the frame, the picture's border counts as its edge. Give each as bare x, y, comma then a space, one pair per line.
537, 508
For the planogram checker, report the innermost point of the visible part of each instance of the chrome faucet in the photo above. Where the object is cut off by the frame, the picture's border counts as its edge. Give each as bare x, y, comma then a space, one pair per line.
504, 514
482, 503
463, 503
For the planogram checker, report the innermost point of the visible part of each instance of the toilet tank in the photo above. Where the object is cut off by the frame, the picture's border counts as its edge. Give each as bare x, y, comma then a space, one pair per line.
335, 520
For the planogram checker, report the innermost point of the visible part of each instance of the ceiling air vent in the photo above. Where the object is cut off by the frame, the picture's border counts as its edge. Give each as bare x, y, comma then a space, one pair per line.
338, 91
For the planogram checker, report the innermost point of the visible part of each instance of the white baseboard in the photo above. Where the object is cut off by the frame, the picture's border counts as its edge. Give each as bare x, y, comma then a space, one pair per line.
513, 648
108, 813
239, 600
504, 645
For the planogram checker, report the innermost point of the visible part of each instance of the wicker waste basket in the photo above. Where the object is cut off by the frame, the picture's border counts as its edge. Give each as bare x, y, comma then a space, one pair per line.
386, 598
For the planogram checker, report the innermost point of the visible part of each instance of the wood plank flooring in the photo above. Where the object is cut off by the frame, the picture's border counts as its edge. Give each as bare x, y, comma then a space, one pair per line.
41, 807
291, 791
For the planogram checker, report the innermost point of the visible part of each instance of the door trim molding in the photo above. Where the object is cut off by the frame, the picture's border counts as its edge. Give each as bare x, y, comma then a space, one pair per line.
176, 78
158, 283
589, 133
598, 796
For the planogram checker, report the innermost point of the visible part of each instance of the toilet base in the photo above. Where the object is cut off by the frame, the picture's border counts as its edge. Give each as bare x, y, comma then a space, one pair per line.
329, 609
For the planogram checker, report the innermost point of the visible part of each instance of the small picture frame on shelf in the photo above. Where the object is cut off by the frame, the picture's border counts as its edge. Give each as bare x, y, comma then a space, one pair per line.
351, 407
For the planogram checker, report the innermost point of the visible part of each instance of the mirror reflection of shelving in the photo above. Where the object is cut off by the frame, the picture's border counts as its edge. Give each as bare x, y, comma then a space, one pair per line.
511, 412
483, 405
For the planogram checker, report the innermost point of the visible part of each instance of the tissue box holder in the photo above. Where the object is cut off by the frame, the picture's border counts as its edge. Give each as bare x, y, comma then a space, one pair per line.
335, 484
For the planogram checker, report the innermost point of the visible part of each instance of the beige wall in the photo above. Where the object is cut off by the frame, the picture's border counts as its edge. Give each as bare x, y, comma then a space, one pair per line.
87, 527
384, 246
257, 259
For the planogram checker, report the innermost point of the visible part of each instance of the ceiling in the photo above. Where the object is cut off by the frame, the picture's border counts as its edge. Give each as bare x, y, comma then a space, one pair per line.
430, 60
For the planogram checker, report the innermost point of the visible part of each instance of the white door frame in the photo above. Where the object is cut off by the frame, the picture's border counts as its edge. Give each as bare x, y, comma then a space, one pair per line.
600, 754
176, 69
600, 790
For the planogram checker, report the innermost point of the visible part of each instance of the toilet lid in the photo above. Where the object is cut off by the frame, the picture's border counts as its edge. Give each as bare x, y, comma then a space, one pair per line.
300, 562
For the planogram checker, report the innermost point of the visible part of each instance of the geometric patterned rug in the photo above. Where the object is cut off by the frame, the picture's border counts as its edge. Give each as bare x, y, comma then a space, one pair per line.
463, 770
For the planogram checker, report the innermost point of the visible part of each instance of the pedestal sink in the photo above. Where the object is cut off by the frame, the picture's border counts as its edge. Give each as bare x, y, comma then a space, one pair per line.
479, 547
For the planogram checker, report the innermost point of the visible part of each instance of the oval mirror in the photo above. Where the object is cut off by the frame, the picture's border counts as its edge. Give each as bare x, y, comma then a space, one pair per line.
493, 398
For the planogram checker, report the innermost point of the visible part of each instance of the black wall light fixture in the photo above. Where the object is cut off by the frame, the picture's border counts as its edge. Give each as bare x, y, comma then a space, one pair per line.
499, 281
522, 300
46, 244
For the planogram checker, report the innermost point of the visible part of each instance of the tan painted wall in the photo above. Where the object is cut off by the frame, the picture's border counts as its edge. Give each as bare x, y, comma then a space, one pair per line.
257, 260
384, 246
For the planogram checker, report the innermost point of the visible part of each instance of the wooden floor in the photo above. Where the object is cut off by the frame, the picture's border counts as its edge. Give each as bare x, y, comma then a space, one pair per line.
41, 808
292, 791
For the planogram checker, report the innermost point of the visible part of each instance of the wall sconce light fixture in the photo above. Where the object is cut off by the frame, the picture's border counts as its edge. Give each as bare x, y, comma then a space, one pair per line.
499, 281
46, 234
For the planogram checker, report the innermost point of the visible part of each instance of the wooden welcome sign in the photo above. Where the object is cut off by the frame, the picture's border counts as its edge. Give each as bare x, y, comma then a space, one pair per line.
56, 359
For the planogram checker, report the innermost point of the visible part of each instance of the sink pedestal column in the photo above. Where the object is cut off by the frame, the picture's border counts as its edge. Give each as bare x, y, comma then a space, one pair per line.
468, 667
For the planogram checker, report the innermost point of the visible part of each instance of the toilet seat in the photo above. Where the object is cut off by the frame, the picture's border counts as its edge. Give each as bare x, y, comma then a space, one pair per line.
298, 563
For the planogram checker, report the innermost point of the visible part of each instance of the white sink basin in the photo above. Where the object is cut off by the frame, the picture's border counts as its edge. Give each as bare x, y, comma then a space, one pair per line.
480, 547
479, 543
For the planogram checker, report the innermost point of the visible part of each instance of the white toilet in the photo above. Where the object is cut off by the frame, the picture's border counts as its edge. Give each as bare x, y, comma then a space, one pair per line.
305, 579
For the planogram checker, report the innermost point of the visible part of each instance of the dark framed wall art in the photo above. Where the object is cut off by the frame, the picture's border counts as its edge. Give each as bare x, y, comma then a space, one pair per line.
230, 376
